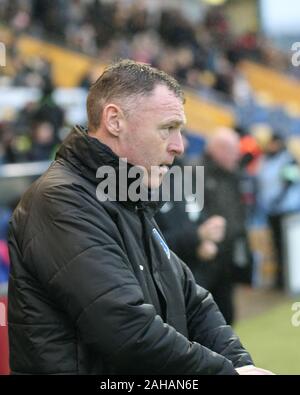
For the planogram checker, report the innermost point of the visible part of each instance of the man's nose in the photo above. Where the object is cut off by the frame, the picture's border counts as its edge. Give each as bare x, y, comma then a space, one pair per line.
176, 143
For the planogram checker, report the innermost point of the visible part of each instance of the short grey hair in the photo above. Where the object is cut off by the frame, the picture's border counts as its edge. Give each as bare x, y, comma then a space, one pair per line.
123, 80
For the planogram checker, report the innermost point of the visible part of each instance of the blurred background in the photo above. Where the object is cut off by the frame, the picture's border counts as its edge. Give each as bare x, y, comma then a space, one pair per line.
239, 63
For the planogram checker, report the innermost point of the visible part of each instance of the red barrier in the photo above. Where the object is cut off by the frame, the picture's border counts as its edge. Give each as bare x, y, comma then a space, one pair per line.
4, 364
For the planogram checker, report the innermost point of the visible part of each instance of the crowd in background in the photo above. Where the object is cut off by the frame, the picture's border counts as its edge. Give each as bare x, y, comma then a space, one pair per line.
162, 37
202, 54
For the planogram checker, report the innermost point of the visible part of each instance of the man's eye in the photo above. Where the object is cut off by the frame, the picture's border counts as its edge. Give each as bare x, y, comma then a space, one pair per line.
165, 132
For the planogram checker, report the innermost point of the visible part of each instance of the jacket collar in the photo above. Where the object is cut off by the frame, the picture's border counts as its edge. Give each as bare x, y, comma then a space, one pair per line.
87, 154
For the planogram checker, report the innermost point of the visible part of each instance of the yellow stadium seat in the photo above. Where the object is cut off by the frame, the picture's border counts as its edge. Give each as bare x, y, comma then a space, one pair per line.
281, 89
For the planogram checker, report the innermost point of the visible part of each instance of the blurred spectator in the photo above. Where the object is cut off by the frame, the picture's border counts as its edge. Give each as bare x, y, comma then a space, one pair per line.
48, 111
217, 24
222, 197
34, 72
50, 15
176, 34
278, 192
250, 156
5, 214
248, 45
137, 21
223, 76
189, 233
15, 147
43, 142
213, 242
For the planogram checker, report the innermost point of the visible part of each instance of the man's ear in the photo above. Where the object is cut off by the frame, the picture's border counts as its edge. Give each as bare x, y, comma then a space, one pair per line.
112, 118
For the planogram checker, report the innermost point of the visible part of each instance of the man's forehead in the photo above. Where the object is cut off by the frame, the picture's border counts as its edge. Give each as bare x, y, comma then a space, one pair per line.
164, 93
164, 102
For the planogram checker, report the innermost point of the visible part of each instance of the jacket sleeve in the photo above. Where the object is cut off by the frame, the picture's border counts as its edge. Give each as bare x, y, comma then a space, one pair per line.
207, 326
84, 269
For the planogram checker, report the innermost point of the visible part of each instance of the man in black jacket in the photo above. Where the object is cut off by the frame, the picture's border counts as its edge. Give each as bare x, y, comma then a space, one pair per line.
207, 239
223, 198
93, 287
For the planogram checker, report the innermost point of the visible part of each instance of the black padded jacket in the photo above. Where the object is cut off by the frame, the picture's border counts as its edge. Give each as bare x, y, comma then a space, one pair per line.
94, 289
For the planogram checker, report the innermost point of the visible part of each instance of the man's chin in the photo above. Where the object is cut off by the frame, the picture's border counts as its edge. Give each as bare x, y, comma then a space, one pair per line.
154, 179
154, 183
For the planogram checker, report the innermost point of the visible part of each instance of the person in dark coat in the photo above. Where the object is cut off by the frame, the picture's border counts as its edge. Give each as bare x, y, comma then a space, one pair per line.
94, 288
205, 238
222, 197
189, 232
